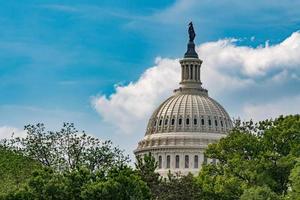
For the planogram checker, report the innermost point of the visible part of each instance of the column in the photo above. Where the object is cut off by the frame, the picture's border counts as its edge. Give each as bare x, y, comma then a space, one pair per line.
182, 72
191, 72
196, 75
187, 72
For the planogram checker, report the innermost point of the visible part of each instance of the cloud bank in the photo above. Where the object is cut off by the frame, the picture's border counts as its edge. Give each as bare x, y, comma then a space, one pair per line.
227, 68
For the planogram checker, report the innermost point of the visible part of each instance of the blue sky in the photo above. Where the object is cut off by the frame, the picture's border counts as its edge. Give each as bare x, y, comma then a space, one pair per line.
57, 58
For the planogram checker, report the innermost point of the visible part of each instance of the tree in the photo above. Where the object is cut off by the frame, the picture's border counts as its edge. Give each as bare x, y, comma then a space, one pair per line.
259, 193
15, 170
253, 157
120, 184
67, 149
294, 190
81, 184
180, 187
145, 167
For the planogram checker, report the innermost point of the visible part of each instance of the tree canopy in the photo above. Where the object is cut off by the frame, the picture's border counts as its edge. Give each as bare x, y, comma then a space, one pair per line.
254, 161
67, 149
254, 157
15, 170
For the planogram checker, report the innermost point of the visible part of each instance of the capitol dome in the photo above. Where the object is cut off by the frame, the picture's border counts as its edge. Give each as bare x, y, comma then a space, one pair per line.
181, 128
194, 112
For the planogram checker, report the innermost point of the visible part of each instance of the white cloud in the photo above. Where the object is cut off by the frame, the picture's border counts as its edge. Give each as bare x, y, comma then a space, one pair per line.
8, 131
130, 105
226, 68
284, 106
250, 61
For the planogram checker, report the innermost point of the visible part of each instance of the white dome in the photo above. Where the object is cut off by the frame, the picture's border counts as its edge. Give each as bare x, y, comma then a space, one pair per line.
194, 112
182, 127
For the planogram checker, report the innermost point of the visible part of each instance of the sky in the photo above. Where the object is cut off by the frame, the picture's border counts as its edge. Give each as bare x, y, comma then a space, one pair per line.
106, 65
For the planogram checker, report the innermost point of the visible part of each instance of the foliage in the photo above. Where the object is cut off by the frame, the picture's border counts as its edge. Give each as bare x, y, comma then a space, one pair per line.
252, 158
15, 169
255, 161
120, 184
294, 190
145, 167
82, 184
180, 187
259, 193
67, 149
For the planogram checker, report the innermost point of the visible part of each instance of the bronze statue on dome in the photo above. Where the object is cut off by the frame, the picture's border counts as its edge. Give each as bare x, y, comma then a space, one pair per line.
192, 33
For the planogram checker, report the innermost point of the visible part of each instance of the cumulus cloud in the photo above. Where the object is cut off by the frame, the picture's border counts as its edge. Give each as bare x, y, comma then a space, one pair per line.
8, 131
226, 67
253, 62
130, 105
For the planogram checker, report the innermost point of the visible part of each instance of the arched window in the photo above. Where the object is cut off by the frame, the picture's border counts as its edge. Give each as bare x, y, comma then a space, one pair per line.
214, 161
202, 122
191, 72
195, 121
159, 162
187, 121
205, 160
177, 161
222, 123
180, 121
173, 121
168, 161
186, 161
160, 121
166, 121
196, 162
216, 122
209, 122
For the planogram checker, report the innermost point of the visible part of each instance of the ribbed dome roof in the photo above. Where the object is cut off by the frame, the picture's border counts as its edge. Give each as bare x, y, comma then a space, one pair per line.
194, 112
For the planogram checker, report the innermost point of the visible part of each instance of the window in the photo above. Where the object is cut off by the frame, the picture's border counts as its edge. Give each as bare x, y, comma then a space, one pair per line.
187, 121
205, 160
154, 122
216, 122
202, 122
186, 161
214, 161
191, 72
209, 122
222, 123
159, 162
160, 121
177, 161
173, 121
196, 162
166, 121
180, 121
195, 121
168, 161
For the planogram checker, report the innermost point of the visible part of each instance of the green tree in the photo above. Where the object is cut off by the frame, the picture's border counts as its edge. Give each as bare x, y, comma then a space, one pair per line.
253, 156
145, 167
67, 149
180, 187
120, 184
294, 190
259, 193
15, 170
